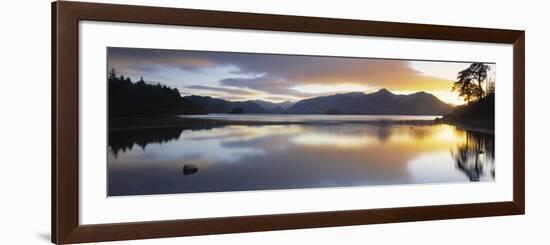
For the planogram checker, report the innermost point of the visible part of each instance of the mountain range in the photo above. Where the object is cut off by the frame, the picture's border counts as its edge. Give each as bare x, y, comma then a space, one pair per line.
215, 105
382, 102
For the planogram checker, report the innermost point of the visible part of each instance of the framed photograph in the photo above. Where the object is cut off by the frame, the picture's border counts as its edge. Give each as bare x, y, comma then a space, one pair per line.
175, 122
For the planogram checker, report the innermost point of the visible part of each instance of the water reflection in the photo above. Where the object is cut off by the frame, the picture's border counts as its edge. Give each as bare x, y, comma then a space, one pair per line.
126, 140
235, 158
189, 169
475, 157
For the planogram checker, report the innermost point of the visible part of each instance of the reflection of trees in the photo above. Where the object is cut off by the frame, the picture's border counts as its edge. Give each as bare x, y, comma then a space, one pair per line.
475, 157
421, 133
126, 139
383, 133
418, 132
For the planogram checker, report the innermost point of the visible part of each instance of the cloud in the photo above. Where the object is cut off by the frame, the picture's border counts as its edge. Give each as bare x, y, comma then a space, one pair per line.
290, 71
277, 85
223, 89
128, 60
277, 99
277, 75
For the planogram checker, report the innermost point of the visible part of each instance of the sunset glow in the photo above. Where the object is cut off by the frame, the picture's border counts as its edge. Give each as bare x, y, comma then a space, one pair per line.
277, 78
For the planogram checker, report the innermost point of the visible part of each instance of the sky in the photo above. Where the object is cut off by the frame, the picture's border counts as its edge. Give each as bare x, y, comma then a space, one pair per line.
279, 77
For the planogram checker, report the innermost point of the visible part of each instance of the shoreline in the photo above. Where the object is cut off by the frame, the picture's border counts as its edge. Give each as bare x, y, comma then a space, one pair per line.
468, 127
477, 126
134, 123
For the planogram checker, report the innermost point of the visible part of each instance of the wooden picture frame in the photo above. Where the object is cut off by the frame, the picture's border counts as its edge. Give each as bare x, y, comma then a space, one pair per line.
65, 121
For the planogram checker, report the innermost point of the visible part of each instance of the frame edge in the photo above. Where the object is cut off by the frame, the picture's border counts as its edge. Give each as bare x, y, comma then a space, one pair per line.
64, 121
519, 121
53, 122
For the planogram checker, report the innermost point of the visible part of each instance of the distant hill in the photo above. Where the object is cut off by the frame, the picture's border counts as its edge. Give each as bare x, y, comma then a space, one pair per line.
382, 102
270, 105
128, 99
274, 107
214, 105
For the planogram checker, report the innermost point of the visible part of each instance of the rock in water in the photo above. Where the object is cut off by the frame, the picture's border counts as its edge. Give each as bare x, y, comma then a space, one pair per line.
189, 169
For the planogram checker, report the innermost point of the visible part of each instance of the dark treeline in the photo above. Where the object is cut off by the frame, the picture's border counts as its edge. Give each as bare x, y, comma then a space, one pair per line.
480, 113
480, 108
131, 99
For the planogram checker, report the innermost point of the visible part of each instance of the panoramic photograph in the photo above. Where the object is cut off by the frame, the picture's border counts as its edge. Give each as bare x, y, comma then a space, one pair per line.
183, 121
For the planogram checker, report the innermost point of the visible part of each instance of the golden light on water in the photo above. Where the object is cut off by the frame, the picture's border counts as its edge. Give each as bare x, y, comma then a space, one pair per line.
362, 137
333, 140
267, 157
243, 132
417, 137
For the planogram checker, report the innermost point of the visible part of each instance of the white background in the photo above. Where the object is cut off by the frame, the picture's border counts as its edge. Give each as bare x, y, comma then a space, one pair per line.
25, 98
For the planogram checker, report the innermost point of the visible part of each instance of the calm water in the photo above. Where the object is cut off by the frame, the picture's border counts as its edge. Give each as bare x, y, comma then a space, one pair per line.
236, 158
308, 118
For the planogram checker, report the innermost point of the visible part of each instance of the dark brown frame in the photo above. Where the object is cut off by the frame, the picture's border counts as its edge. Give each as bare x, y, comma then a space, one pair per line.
65, 223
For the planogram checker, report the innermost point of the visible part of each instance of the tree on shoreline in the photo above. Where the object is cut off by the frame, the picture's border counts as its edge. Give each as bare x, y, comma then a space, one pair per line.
470, 82
480, 110
140, 98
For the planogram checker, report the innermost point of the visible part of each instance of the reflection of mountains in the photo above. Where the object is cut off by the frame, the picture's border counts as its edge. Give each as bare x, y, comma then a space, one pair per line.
266, 157
125, 140
475, 157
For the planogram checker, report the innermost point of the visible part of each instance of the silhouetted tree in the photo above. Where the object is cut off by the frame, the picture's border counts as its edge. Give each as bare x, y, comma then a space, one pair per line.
112, 74
470, 81
130, 99
490, 86
480, 113
465, 89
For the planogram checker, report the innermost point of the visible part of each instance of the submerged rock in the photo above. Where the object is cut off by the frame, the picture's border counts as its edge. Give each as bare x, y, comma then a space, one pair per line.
189, 169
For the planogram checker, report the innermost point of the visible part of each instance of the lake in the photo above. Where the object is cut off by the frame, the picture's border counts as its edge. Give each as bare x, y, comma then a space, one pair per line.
311, 155
309, 117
